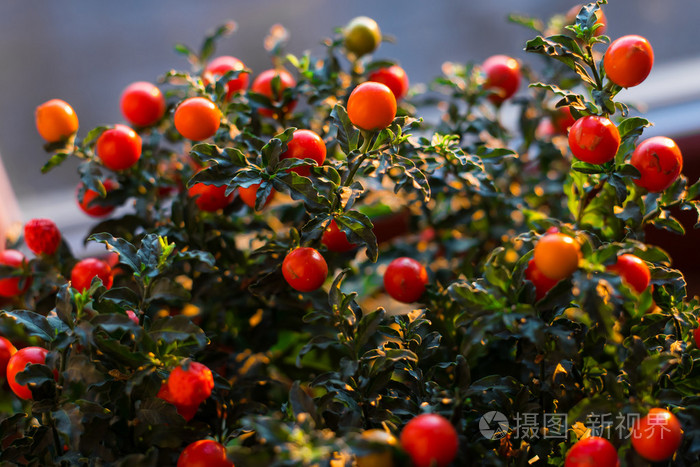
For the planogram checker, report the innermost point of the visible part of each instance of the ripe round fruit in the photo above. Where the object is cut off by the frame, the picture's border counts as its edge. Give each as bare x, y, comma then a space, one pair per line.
42, 236
204, 453
119, 148
222, 65
197, 118
304, 269
362, 36
394, 77
628, 60
430, 439
594, 139
371, 106
305, 144
142, 103
263, 85
659, 162
7, 350
562, 120
557, 255
186, 411
85, 270
55, 120
335, 239
633, 270
542, 283
696, 335
502, 77
190, 386
95, 209
18, 363
405, 279
249, 194
657, 435
9, 287
593, 451
210, 198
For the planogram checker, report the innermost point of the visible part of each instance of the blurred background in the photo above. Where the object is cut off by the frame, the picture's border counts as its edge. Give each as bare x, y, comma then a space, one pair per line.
87, 52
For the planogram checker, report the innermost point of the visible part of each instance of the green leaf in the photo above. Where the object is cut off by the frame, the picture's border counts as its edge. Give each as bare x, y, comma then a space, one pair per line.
164, 288
348, 136
359, 229
126, 251
586, 168
301, 402
35, 324
670, 224
367, 327
177, 329
55, 160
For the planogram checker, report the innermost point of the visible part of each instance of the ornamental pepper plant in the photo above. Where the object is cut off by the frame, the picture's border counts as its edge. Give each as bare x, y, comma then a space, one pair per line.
305, 270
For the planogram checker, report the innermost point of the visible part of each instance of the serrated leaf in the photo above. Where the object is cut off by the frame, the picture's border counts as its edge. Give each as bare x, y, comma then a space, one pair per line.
348, 136
34, 324
359, 229
55, 160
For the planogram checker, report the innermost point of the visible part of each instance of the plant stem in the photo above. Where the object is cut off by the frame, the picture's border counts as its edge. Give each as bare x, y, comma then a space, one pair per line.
355, 166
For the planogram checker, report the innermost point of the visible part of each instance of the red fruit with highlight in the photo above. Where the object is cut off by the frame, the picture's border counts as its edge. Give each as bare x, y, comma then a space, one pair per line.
305, 144
18, 363
502, 77
222, 65
335, 239
91, 203
304, 269
42, 236
204, 453
84, 271
10, 286
405, 279
7, 350
394, 77
142, 104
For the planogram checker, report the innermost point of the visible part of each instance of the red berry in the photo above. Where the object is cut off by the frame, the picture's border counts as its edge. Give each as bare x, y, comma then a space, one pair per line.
142, 104
659, 161
592, 452
502, 77
222, 65
263, 85
335, 239
42, 236
430, 440
7, 350
18, 363
9, 287
119, 148
82, 274
132, 316
210, 198
594, 139
542, 283
405, 279
657, 435
249, 195
633, 270
186, 411
190, 386
91, 203
305, 144
394, 77
204, 453
304, 269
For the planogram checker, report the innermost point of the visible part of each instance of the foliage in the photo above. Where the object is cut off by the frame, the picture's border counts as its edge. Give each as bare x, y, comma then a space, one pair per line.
299, 377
